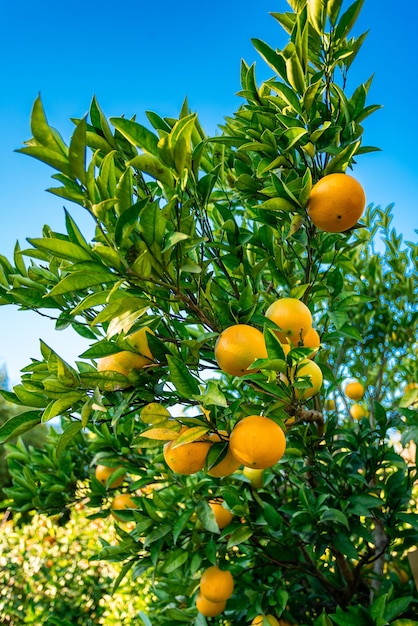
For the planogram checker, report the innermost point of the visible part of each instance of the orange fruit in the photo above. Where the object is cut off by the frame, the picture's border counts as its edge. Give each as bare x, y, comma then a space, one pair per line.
122, 502
257, 441
410, 387
208, 608
354, 390
187, 458
223, 517
238, 347
103, 473
293, 318
336, 203
310, 340
357, 411
305, 368
255, 476
329, 404
260, 620
216, 585
125, 360
139, 342
227, 466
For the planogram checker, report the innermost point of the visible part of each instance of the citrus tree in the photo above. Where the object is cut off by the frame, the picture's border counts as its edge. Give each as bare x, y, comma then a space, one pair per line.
249, 390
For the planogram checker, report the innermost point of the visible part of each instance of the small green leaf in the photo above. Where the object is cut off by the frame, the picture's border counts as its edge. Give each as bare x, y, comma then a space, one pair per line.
241, 534
334, 515
18, 425
81, 280
206, 516
174, 560
136, 134
61, 249
69, 433
77, 151
182, 379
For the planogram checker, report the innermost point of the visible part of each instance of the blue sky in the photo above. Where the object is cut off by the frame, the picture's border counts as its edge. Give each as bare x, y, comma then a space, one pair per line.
138, 56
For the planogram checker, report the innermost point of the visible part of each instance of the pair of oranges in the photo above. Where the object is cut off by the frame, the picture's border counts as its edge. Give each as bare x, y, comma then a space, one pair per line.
215, 588
240, 345
255, 441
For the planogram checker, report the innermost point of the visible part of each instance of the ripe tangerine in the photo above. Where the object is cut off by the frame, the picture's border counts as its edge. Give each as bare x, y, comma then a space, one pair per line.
187, 458
259, 620
208, 608
122, 502
238, 347
104, 472
216, 585
223, 517
336, 203
305, 368
257, 441
354, 390
292, 316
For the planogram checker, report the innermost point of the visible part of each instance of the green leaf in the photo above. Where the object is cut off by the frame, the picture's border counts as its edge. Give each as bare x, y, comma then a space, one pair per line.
124, 191
179, 141
81, 281
19, 424
128, 221
293, 135
395, 608
348, 19
41, 130
343, 159
69, 433
333, 9
345, 546
62, 404
190, 435
212, 395
54, 159
323, 620
77, 151
239, 535
181, 378
154, 413
206, 517
317, 14
174, 560
136, 134
273, 345
271, 57
334, 515
61, 249
99, 121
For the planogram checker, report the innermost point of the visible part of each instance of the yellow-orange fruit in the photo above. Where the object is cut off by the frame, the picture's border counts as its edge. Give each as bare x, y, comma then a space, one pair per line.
329, 404
208, 608
227, 466
103, 473
122, 502
187, 458
259, 620
223, 517
125, 361
238, 347
310, 340
257, 441
312, 371
255, 476
354, 390
293, 317
357, 411
216, 585
336, 203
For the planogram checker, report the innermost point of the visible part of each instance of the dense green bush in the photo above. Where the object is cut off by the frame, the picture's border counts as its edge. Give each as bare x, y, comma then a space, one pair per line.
47, 577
